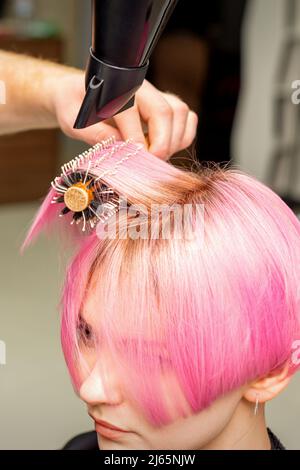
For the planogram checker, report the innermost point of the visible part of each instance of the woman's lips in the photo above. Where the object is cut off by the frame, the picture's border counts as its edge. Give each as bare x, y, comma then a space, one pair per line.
108, 425
109, 432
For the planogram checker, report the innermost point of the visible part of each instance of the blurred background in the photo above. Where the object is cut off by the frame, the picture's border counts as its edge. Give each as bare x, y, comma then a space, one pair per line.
233, 62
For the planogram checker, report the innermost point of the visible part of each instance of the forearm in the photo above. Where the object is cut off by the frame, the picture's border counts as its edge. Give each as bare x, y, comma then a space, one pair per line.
30, 86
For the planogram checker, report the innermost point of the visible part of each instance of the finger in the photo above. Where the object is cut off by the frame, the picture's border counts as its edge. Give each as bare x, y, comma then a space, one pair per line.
96, 133
160, 124
130, 126
180, 112
157, 113
190, 130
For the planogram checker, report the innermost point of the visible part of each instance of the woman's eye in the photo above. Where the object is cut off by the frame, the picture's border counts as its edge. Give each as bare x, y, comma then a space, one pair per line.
85, 334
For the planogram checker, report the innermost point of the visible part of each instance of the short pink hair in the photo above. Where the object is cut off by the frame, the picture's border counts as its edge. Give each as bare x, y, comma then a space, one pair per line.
223, 307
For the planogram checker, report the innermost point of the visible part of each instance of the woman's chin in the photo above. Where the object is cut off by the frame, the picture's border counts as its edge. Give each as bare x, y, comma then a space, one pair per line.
108, 444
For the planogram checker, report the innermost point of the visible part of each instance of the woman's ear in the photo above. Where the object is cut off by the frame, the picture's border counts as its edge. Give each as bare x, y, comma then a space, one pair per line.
268, 387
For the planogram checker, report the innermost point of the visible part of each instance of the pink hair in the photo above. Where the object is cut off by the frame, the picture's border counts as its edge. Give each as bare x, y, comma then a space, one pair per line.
219, 311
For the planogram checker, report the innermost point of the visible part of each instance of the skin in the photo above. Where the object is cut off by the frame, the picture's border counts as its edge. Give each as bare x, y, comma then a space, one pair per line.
229, 423
42, 94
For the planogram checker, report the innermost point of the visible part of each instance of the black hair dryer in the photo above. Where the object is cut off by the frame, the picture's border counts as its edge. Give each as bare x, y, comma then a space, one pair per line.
124, 33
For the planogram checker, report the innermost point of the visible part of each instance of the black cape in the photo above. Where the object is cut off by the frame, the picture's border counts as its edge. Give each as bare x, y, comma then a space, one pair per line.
88, 441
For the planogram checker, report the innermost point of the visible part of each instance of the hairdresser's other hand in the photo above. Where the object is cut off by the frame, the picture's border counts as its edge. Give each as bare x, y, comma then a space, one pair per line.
170, 124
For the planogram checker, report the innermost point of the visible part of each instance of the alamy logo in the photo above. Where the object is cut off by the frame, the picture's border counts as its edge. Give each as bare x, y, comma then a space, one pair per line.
159, 221
296, 353
296, 93
2, 353
2, 92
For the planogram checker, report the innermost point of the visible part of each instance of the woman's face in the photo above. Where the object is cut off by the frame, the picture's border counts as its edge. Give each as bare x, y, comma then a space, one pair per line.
106, 401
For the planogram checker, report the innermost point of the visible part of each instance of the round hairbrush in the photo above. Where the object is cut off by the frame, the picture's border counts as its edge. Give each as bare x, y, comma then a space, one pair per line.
81, 188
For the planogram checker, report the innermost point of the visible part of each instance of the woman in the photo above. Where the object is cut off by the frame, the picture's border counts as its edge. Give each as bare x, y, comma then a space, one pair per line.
175, 334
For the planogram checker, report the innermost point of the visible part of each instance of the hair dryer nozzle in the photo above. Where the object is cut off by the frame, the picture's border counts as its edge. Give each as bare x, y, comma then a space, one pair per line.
109, 90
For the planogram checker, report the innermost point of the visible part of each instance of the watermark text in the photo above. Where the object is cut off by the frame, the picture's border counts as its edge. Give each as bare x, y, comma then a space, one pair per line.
2, 353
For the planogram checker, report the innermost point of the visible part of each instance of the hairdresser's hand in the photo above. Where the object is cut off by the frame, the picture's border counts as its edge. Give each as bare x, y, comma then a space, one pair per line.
170, 124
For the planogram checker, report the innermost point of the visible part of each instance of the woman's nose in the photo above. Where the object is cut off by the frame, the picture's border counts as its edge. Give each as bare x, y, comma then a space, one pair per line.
100, 386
